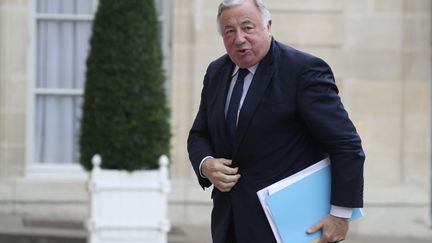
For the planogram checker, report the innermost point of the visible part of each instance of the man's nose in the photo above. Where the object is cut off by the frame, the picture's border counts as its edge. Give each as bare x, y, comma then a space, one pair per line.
240, 37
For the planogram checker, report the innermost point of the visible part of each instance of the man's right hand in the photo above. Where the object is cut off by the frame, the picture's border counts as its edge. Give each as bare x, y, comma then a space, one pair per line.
220, 174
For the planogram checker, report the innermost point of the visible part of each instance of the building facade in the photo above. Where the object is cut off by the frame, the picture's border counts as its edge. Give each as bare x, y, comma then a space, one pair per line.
379, 50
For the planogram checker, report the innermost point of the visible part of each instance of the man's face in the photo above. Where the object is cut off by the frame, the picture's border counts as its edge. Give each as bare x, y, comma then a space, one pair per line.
246, 40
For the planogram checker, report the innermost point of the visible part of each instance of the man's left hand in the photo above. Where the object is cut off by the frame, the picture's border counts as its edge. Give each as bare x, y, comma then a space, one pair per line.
334, 229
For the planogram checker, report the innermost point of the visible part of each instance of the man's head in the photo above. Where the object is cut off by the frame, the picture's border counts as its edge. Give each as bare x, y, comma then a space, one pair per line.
245, 26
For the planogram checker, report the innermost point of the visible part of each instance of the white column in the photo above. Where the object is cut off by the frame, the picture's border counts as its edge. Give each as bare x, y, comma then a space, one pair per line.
13, 43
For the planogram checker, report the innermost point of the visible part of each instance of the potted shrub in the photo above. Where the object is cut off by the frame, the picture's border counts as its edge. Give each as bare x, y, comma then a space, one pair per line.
125, 124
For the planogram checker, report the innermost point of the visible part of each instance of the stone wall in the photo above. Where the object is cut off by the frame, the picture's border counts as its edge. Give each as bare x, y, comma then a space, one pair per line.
380, 52
387, 77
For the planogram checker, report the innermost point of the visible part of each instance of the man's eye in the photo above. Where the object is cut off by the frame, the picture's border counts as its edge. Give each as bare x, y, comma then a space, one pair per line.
228, 31
248, 28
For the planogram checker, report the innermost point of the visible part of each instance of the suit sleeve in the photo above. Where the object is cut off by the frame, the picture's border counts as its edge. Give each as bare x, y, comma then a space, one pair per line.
199, 143
321, 108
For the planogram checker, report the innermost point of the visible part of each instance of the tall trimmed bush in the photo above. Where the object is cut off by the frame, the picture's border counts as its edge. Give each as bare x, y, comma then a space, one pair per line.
125, 115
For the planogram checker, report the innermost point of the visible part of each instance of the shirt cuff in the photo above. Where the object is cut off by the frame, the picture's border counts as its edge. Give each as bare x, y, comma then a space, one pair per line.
200, 165
341, 212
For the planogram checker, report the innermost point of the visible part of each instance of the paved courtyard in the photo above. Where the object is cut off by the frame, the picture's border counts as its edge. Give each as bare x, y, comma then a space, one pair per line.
198, 234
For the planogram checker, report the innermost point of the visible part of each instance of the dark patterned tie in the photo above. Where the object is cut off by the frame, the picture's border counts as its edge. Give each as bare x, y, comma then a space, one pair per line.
231, 116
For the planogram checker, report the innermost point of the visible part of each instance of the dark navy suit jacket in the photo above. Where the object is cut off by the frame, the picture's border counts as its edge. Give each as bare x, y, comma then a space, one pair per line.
291, 118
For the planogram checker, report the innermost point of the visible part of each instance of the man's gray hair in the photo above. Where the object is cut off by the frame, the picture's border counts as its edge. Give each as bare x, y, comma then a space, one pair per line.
226, 4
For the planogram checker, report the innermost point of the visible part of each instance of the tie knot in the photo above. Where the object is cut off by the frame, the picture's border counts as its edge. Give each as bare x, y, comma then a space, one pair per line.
242, 73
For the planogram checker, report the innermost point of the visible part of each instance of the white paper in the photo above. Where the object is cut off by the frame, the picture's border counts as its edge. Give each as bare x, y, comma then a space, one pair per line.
275, 187
262, 195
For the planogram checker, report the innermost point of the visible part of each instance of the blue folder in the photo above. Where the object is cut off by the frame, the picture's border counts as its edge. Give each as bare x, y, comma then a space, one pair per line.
299, 206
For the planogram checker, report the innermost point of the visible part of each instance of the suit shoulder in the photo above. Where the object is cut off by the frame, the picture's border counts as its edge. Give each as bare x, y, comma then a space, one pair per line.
218, 63
293, 55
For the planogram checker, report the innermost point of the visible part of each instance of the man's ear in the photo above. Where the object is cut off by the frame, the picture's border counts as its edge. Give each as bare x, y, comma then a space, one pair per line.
269, 25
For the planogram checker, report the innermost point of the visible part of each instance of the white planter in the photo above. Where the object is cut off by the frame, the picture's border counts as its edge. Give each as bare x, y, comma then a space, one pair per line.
128, 207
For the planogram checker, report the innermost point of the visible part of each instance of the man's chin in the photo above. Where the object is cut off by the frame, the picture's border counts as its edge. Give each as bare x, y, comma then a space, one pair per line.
244, 62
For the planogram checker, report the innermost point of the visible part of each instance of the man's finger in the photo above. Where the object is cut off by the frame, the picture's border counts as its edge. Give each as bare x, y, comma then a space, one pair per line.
315, 228
226, 161
229, 171
229, 178
212, 166
226, 187
333, 229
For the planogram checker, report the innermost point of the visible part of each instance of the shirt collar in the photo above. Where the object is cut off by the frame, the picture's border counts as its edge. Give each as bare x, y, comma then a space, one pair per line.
251, 69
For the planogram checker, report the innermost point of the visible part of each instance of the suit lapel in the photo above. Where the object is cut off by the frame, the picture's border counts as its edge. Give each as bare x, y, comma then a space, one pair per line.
260, 82
224, 80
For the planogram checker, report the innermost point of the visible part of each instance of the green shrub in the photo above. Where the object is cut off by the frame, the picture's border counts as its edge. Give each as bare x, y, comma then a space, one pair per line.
125, 115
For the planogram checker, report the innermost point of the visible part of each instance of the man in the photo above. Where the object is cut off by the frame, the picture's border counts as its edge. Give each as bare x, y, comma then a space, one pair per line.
268, 111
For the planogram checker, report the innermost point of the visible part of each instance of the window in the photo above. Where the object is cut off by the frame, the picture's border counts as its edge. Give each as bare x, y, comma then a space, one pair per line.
60, 31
